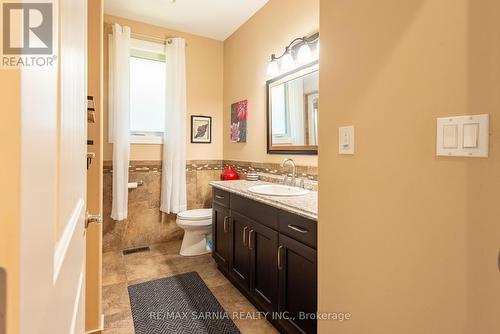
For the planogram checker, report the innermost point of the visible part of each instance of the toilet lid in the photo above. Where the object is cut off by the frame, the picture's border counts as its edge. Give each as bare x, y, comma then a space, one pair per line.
196, 214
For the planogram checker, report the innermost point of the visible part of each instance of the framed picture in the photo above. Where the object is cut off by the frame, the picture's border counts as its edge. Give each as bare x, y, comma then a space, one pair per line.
201, 129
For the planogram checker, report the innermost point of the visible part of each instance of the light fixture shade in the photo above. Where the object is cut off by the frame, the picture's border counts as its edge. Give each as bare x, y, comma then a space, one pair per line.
287, 62
273, 69
317, 49
305, 54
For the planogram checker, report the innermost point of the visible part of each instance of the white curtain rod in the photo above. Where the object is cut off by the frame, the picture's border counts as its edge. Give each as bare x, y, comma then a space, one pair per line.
164, 40
160, 39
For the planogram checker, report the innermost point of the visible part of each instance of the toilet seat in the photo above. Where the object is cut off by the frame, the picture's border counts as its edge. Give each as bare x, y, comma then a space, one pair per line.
199, 223
195, 215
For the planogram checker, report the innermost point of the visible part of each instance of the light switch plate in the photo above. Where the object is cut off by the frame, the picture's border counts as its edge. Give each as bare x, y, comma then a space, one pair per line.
463, 136
346, 140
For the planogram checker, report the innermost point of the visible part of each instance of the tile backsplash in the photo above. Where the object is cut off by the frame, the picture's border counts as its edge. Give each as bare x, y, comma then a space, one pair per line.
242, 167
145, 224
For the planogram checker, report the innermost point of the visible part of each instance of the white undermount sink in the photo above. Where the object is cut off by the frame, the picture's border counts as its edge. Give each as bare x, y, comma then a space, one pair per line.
277, 190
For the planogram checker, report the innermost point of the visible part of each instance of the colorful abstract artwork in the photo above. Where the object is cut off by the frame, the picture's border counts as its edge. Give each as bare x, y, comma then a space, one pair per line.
239, 116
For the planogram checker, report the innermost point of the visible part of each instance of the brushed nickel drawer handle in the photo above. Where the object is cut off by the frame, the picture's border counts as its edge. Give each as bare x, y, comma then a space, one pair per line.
225, 224
219, 197
250, 239
245, 235
298, 229
280, 265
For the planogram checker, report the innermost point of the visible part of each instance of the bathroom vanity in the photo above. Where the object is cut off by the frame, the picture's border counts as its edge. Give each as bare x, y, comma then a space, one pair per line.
266, 246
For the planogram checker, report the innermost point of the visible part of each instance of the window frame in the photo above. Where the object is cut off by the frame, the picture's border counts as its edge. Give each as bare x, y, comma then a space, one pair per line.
146, 50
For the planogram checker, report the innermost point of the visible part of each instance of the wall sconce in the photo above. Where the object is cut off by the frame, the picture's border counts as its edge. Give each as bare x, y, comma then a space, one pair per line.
301, 49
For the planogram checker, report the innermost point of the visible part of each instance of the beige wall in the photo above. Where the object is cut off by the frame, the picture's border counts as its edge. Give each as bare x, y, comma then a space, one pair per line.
246, 55
408, 241
10, 134
204, 62
483, 176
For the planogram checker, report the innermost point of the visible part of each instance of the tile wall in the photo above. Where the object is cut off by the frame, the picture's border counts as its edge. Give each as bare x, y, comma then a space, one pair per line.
145, 224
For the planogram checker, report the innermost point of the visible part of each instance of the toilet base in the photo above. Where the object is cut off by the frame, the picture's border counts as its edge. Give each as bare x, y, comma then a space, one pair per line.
195, 243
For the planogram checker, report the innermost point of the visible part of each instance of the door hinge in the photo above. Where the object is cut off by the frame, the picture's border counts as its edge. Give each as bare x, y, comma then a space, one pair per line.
90, 157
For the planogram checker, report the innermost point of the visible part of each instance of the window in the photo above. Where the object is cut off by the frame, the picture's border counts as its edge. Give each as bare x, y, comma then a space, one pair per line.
280, 117
147, 98
147, 93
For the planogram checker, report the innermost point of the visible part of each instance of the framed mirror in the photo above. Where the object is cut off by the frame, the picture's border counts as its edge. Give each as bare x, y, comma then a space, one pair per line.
292, 111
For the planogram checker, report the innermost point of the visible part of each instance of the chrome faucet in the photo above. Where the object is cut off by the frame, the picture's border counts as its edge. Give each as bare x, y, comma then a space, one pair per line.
294, 170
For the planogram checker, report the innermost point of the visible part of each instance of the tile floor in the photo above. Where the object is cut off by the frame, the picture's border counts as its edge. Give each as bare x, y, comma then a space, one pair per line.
162, 261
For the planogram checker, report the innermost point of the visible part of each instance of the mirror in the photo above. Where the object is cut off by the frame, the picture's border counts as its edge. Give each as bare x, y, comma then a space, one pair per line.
292, 112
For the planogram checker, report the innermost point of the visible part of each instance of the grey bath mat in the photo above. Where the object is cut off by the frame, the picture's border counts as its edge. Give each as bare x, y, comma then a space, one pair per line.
179, 304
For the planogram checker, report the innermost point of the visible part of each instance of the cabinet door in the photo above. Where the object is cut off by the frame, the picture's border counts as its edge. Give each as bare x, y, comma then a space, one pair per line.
239, 264
263, 243
221, 235
298, 284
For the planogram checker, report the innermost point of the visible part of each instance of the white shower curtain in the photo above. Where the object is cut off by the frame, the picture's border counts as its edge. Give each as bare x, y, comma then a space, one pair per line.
173, 179
119, 106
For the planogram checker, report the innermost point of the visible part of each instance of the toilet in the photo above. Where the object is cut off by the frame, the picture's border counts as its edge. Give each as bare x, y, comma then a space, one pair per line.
197, 226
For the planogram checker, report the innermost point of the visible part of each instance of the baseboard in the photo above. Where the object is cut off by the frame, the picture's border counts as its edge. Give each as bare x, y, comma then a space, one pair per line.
100, 329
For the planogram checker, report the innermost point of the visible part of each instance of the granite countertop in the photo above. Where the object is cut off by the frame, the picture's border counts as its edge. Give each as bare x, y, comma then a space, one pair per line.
305, 206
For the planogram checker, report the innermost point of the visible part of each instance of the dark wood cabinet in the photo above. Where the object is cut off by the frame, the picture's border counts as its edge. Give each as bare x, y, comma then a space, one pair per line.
270, 255
239, 263
263, 243
298, 285
221, 235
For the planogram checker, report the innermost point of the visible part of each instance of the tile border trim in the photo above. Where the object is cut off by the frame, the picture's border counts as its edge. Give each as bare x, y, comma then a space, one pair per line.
242, 167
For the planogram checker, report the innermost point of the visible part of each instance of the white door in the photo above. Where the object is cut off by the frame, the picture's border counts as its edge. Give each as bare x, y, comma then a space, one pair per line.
53, 181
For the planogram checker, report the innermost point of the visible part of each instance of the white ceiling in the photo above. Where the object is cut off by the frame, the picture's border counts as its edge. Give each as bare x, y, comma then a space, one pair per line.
216, 19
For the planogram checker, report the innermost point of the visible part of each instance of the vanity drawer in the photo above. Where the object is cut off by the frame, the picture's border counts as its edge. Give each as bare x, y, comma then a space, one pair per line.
298, 228
221, 197
262, 213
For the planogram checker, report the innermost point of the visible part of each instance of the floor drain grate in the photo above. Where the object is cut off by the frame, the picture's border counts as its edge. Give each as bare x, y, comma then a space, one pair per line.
135, 250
